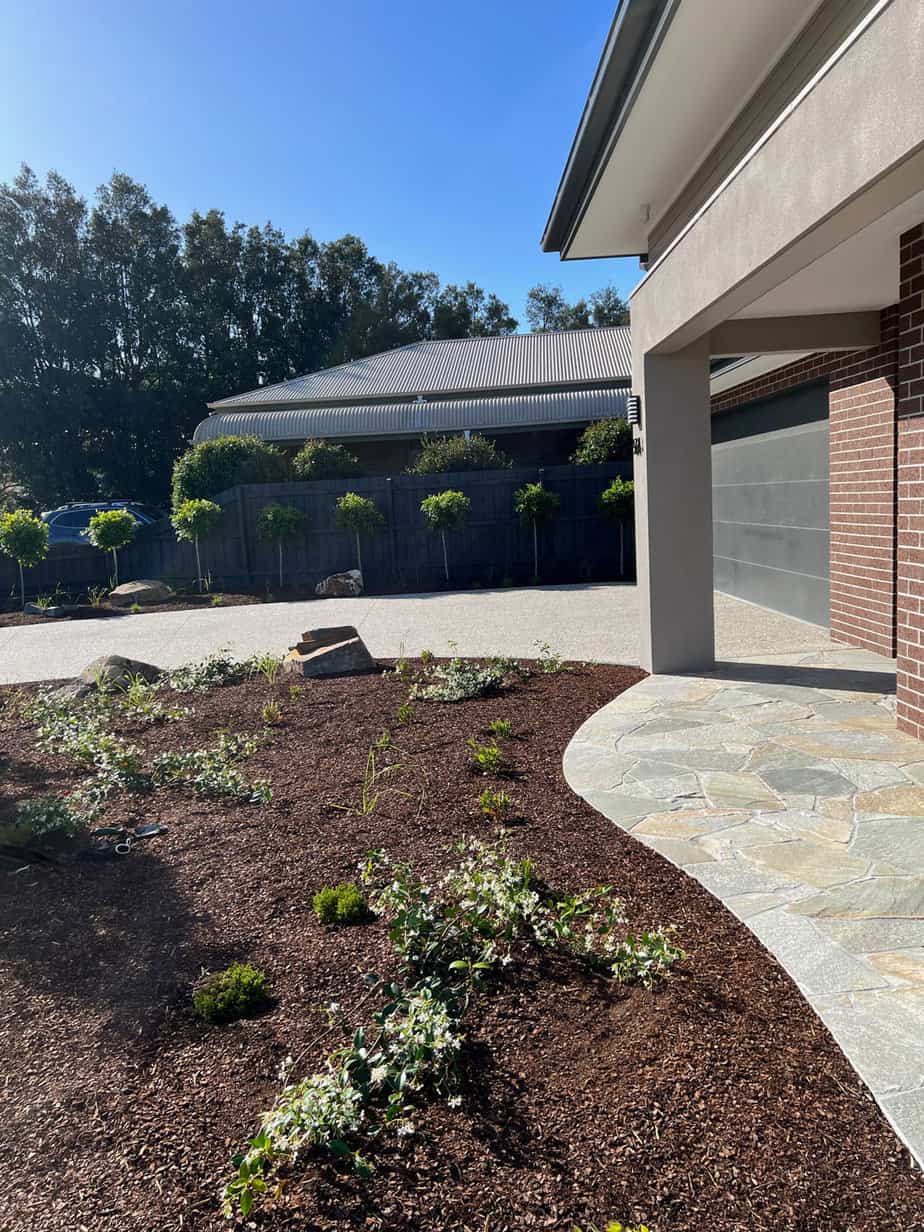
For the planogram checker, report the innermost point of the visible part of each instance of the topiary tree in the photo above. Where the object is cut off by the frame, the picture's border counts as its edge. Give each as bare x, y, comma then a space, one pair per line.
536, 506
360, 515
439, 454
323, 460
194, 519
210, 467
607, 440
277, 523
24, 537
616, 503
446, 511
110, 531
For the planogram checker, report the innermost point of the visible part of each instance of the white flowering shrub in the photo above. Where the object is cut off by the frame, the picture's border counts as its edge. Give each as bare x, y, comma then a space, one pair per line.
448, 939
216, 669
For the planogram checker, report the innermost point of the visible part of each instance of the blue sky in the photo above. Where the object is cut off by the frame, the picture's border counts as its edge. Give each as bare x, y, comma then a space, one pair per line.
436, 132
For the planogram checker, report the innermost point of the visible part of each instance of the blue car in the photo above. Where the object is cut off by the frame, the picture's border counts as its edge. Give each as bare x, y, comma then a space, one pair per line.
67, 523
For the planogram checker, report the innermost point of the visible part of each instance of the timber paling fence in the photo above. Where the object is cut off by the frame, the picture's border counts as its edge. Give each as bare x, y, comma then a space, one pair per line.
578, 545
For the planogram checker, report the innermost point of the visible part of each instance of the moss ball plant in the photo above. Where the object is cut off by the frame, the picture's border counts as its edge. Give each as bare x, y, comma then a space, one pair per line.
237, 992
341, 904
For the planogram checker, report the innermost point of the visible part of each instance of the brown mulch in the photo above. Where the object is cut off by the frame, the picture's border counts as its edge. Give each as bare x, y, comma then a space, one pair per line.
180, 603
716, 1102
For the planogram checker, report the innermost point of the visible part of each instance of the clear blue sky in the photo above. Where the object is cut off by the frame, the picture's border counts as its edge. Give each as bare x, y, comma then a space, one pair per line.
437, 132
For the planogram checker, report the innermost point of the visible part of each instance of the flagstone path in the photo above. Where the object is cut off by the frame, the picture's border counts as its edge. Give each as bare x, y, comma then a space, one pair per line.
783, 787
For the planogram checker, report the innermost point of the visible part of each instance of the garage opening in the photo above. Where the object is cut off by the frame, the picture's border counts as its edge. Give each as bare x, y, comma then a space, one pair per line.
771, 530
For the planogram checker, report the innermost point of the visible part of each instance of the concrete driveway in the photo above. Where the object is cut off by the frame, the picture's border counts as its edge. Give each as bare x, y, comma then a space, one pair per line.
580, 622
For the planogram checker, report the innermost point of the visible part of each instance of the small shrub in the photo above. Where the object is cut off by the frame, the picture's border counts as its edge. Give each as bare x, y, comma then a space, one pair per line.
325, 460
494, 804
645, 959
295, 691
501, 729
217, 600
96, 595
459, 681
135, 609
607, 440
549, 661
426, 658
238, 992
215, 669
406, 712
383, 741
210, 467
341, 904
488, 758
211, 772
615, 1226
47, 817
441, 454
271, 714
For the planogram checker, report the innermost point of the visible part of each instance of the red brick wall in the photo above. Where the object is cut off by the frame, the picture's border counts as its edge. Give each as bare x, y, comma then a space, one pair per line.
910, 597
862, 493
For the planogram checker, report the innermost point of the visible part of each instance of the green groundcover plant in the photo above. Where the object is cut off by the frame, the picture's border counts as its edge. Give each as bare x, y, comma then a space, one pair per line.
449, 940
24, 537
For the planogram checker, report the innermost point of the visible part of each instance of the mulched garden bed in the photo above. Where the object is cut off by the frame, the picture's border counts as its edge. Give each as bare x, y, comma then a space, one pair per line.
715, 1101
179, 603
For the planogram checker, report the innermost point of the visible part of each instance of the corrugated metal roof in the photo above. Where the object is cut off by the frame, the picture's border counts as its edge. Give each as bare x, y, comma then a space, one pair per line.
414, 418
458, 366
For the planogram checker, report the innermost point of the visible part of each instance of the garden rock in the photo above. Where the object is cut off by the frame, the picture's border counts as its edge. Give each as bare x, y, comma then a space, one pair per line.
348, 585
116, 672
143, 591
330, 652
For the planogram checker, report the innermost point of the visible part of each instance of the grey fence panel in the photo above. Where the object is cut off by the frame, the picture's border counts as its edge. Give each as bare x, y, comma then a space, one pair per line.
578, 545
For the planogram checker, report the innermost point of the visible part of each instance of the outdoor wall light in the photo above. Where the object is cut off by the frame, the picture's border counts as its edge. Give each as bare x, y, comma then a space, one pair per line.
634, 410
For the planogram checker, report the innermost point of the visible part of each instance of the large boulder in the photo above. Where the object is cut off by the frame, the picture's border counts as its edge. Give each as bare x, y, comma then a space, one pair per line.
116, 672
348, 585
145, 590
329, 652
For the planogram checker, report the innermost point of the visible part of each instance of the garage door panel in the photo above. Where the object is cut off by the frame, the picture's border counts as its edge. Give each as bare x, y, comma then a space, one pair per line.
802, 503
770, 466
775, 547
801, 597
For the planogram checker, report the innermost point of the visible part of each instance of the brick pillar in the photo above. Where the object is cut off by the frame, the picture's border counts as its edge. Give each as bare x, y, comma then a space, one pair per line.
862, 403
910, 579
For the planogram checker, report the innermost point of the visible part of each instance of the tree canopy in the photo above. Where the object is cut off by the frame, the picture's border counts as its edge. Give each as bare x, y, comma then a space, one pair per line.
118, 323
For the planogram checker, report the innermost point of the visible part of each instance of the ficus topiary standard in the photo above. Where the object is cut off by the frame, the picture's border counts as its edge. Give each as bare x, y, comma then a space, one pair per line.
616, 503
446, 511
277, 523
24, 537
358, 514
535, 506
194, 519
110, 531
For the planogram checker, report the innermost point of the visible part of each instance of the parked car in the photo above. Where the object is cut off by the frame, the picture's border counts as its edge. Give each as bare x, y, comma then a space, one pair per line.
67, 523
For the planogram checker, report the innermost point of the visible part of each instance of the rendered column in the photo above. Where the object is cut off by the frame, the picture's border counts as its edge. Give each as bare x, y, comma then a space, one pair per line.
673, 509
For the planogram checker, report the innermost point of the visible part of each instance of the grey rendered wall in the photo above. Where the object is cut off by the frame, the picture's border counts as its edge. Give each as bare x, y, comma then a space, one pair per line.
770, 503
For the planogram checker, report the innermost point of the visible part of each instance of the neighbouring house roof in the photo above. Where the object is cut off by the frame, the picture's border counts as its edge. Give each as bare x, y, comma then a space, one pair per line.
456, 367
410, 418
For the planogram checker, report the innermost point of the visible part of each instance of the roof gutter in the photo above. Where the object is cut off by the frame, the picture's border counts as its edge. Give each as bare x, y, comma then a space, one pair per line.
632, 43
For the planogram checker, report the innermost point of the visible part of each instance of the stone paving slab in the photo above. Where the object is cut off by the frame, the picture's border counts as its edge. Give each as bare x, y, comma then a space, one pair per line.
781, 784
